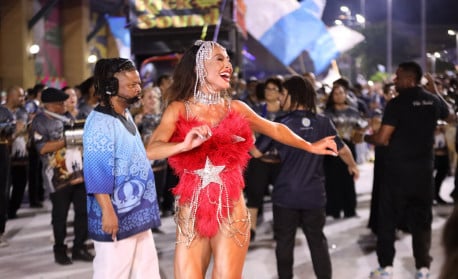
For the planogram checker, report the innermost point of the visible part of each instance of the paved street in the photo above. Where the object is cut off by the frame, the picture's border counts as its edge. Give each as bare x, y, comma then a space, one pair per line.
30, 256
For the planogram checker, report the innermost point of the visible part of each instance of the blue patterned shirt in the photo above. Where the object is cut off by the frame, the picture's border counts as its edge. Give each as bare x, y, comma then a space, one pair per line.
115, 163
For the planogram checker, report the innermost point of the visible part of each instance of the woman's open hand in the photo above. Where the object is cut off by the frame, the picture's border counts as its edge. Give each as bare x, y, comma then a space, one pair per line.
325, 146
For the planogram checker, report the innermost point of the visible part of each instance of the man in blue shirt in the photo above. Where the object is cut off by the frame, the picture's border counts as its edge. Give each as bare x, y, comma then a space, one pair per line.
122, 201
299, 196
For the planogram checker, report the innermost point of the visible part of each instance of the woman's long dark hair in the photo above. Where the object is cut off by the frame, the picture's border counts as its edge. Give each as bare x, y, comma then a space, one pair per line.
301, 93
275, 81
330, 104
184, 78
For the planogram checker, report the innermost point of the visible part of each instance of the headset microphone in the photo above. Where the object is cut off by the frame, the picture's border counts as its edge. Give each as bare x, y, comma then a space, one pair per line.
130, 101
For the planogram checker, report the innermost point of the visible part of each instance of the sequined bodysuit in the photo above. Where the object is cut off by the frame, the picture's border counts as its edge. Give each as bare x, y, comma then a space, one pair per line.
211, 177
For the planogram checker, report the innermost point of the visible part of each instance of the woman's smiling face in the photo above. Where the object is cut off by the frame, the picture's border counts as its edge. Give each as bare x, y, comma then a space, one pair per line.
219, 69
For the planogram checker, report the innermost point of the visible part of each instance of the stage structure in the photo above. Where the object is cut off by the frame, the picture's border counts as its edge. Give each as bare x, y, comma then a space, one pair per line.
161, 30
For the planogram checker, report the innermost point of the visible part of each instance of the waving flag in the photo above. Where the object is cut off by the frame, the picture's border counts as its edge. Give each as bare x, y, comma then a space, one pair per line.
329, 45
287, 28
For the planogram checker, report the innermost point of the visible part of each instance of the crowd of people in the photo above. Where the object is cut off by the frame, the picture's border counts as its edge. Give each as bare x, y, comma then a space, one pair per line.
207, 147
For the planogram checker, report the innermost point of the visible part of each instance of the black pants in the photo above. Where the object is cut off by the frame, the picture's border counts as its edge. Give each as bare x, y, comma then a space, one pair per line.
442, 167
4, 185
171, 181
340, 188
36, 189
19, 177
61, 201
160, 175
407, 193
258, 176
377, 181
312, 221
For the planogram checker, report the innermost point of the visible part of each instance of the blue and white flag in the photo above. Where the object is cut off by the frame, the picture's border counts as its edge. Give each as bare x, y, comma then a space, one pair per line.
121, 34
329, 45
287, 28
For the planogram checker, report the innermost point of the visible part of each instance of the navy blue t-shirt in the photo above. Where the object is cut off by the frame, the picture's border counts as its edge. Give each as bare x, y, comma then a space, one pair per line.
300, 183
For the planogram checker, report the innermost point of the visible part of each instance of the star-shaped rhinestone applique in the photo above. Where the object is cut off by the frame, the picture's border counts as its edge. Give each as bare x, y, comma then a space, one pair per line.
209, 174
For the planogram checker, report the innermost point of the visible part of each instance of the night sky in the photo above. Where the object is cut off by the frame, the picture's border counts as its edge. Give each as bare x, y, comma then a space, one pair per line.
444, 12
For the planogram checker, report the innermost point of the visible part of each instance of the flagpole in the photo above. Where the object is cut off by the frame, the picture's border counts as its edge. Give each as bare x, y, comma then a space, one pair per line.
423, 35
291, 70
389, 28
220, 19
302, 63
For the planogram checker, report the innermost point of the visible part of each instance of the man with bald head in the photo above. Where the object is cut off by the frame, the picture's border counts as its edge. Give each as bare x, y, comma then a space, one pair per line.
15, 99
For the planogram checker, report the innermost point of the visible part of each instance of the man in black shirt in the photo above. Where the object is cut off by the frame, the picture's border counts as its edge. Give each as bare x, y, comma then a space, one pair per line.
408, 132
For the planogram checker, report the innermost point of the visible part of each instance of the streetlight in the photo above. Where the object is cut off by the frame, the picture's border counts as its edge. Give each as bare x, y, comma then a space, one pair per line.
345, 10
454, 33
356, 21
433, 56
360, 19
347, 18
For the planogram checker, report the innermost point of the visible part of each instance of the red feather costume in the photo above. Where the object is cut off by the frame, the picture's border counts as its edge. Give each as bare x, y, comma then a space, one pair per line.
211, 175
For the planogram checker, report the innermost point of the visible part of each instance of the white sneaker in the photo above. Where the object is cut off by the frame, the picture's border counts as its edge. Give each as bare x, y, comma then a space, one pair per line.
3, 242
422, 273
382, 273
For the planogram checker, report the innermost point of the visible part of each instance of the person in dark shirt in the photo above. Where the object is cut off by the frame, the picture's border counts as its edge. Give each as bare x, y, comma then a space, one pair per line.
7, 128
62, 175
350, 126
299, 196
407, 130
19, 155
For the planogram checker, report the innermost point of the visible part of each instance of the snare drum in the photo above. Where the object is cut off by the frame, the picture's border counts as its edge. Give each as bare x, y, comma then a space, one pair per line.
73, 133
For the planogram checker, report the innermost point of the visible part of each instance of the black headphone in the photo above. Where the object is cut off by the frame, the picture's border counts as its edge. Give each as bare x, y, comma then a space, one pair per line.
111, 85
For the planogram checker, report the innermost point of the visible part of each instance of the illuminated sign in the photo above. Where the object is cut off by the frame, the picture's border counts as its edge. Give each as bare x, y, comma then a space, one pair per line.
175, 14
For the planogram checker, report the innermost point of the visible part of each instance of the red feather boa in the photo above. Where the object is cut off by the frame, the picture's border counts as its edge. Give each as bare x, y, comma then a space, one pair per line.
222, 148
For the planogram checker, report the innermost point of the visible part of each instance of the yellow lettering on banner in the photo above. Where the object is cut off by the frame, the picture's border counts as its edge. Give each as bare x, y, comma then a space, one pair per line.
164, 22
212, 16
146, 21
150, 10
154, 6
188, 20
183, 4
174, 5
179, 21
196, 20
140, 5
206, 3
165, 4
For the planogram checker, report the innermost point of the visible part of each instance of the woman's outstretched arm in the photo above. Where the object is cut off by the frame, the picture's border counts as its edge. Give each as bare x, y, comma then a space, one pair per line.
281, 133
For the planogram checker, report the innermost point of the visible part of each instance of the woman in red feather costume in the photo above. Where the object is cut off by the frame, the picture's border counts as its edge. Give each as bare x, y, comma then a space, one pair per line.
206, 137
